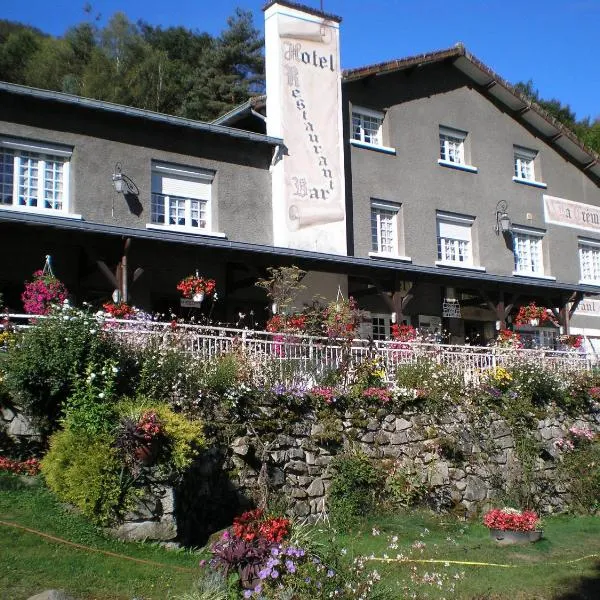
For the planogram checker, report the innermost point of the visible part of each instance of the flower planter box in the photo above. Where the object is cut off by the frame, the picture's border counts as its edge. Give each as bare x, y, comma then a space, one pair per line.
504, 538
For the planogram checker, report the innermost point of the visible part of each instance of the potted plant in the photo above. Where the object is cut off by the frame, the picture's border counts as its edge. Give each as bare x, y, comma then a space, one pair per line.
42, 292
140, 439
119, 310
508, 339
512, 526
196, 288
533, 315
571, 341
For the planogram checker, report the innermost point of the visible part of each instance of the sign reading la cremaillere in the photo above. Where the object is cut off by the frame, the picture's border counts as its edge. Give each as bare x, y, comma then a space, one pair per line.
571, 214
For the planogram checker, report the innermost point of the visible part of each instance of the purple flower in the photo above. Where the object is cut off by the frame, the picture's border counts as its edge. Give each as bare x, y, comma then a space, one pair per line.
290, 566
330, 573
274, 574
264, 573
248, 593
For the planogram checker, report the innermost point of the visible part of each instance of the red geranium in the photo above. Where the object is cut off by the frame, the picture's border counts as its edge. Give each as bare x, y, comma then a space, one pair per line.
279, 323
194, 284
253, 525
403, 333
26, 467
119, 310
510, 519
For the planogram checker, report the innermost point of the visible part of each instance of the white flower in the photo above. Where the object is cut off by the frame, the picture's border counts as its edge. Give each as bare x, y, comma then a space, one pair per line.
101, 395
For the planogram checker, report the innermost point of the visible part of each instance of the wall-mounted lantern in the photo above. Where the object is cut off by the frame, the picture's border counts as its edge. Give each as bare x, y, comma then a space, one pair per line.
122, 183
503, 223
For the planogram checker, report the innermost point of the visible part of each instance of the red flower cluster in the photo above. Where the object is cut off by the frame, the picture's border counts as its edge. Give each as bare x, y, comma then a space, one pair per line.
193, 284
594, 392
324, 393
508, 338
253, 525
42, 292
278, 323
510, 519
380, 394
120, 310
403, 333
532, 311
573, 341
149, 425
342, 318
26, 467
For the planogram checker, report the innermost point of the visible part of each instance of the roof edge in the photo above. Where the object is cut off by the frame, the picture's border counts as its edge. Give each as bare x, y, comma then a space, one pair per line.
303, 8
383, 68
141, 113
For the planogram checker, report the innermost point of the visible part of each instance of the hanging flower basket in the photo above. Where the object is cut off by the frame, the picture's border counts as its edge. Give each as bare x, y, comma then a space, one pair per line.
196, 288
534, 315
41, 293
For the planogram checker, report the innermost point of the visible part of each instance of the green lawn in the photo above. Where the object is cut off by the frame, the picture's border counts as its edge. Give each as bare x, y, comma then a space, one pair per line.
30, 564
541, 570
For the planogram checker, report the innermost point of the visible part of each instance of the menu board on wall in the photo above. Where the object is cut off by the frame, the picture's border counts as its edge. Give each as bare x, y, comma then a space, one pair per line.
304, 108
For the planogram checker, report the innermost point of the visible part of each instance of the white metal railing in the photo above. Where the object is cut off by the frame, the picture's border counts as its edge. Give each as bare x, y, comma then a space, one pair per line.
320, 353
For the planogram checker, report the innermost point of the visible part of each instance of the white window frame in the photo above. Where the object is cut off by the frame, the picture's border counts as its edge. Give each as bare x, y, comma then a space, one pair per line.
376, 219
524, 164
589, 250
447, 246
387, 325
43, 153
203, 195
531, 236
360, 113
450, 139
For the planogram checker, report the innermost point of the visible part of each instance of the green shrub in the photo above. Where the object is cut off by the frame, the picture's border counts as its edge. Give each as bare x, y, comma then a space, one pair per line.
404, 487
355, 488
580, 473
429, 382
86, 471
169, 374
91, 407
42, 367
532, 381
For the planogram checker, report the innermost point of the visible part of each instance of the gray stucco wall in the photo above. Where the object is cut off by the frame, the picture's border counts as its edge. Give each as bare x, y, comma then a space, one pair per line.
416, 104
241, 204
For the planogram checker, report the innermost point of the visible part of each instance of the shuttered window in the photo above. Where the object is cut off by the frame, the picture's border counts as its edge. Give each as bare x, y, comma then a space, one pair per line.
181, 197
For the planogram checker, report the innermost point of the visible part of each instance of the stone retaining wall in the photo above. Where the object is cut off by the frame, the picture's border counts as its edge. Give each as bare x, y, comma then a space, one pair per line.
466, 462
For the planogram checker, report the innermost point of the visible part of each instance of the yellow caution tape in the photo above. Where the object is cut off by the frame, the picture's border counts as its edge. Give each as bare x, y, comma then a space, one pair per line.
478, 564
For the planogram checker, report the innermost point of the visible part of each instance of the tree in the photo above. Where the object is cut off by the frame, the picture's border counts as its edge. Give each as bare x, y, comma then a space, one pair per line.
588, 133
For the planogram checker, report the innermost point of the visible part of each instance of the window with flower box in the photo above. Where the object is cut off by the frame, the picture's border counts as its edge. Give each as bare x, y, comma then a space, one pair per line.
181, 198
589, 261
34, 177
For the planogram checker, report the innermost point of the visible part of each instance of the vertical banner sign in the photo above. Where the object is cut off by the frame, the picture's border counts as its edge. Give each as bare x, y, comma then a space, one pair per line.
304, 108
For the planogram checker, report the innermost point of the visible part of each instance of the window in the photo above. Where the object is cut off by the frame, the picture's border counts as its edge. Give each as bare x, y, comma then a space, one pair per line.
589, 261
366, 126
524, 167
34, 177
452, 145
454, 239
384, 228
528, 252
181, 197
381, 327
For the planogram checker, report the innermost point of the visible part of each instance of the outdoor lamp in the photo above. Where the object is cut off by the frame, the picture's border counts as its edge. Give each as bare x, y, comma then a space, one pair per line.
118, 181
503, 224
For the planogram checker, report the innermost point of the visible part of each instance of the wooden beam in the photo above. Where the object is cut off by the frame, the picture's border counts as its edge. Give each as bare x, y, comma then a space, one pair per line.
575, 299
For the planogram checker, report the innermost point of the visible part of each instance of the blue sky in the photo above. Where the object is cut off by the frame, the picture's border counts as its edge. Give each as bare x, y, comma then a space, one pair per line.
552, 42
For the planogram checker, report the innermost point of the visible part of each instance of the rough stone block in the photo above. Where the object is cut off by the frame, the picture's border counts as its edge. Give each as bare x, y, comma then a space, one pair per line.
165, 529
402, 424
316, 488
476, 489
52, 595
